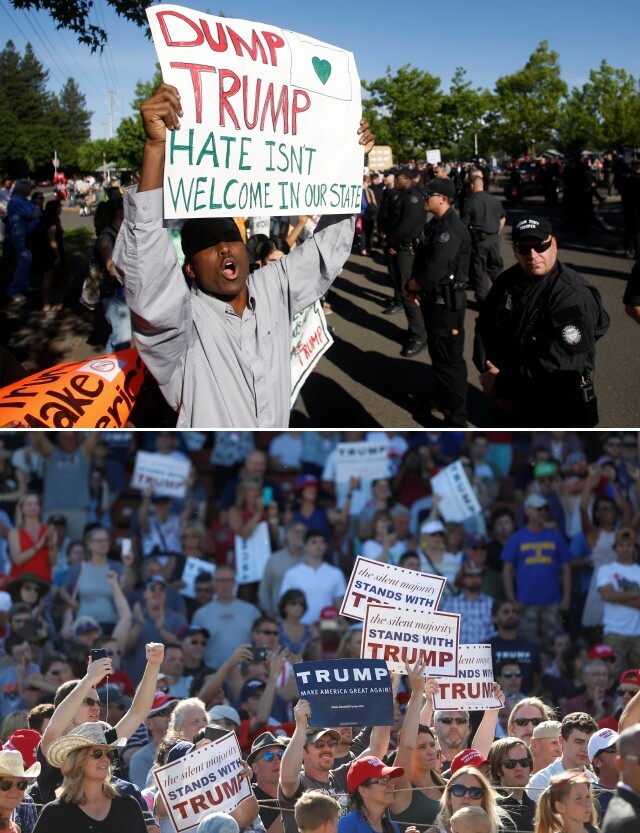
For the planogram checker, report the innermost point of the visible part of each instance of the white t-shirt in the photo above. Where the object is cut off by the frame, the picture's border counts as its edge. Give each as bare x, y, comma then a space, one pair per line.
320, 586
618, 618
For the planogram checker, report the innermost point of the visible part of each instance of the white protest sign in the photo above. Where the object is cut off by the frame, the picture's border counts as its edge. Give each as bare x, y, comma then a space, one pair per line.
270, 119
366, 460
399, 635
204, 781
433, 156
459, 500
375, 581
473, 687
252, 554
192, 569
167, 476
310, 339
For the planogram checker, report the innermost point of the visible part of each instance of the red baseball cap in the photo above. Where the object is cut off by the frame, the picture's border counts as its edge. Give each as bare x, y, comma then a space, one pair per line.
468, 757
601, 651
25, 742
369, 767
630, 677
160, 702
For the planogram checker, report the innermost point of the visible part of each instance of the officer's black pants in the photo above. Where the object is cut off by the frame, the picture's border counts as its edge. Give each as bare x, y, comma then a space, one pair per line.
485, 265
445, 338
404, 260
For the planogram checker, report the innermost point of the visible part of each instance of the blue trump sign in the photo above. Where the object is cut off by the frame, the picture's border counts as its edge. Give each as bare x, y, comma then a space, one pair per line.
346, 692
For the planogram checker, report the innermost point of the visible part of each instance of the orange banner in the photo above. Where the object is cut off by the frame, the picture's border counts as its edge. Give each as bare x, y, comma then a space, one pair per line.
98, 393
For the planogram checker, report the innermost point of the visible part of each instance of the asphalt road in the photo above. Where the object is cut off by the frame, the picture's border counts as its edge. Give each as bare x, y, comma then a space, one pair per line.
362, 381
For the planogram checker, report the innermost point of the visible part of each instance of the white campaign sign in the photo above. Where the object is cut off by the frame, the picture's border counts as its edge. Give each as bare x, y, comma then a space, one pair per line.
473, 687
398, 635
192, 569
204, 781
167, 476
310, 339
459, 500
270, 119
375, 581
366, 460
252, 554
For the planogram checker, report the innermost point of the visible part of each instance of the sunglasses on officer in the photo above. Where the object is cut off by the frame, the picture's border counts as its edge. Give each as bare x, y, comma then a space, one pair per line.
525, 248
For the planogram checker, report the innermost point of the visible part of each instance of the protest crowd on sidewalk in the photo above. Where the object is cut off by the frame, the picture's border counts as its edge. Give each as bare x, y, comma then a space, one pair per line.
277, 632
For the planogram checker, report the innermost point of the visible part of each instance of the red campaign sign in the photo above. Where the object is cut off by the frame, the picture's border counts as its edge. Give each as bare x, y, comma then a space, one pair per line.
98, 393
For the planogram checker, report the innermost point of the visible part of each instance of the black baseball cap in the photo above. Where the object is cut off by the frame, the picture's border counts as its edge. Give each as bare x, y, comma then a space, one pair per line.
441, 185
536, 227
204, 232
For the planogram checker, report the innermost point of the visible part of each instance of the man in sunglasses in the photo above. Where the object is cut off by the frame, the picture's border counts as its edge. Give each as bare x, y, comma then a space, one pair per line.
536, 335
309, 763
452, 730
265, 757
511, 764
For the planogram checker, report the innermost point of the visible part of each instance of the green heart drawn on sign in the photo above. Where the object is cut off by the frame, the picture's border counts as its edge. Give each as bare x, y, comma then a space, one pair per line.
322, 68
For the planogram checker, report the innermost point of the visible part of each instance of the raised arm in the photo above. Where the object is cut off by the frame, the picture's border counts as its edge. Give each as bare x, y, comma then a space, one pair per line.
42, 444
486, 731
143, 700
159, 113
125, 617
292, 758
64, 715
409, 732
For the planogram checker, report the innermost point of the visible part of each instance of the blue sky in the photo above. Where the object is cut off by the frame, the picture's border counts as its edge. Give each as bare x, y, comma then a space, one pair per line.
489, 39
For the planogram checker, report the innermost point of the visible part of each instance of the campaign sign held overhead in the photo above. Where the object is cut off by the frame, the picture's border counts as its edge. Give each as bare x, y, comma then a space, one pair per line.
346, 692
375, 581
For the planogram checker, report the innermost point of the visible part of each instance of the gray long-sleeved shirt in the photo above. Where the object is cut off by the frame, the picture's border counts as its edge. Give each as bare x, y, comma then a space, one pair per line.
217, 369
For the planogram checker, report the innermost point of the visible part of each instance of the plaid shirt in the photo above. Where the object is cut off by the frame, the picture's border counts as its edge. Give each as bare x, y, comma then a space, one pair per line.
476, 623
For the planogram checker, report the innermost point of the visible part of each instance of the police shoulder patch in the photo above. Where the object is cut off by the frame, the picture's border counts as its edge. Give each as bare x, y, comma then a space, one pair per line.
571, 334
444, 237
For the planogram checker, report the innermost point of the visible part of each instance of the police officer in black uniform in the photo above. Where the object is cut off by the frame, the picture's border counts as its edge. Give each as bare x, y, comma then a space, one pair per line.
438, 281
403, 232
484, 216
536, 335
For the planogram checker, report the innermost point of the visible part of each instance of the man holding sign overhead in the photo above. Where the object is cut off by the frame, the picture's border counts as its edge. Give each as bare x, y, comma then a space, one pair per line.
219, 350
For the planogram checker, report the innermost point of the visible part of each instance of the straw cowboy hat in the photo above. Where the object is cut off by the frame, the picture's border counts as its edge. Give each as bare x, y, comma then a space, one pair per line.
11, 764
84, 735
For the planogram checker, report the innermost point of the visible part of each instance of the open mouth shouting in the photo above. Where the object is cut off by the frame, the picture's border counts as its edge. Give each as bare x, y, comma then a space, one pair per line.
230, 268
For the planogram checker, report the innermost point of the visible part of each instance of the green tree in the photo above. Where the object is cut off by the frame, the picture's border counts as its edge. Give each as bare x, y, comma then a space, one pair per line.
74, 15
91, 155
403, 111
71, 123
462, 113
129, 141
612, 99
26, 110
577, 125
529, 102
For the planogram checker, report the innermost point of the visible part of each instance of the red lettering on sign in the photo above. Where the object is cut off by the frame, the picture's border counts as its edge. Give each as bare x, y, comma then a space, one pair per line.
167, 37
195, 70
220, 42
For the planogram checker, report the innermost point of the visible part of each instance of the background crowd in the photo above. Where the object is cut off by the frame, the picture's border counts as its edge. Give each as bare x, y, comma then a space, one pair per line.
546, 573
